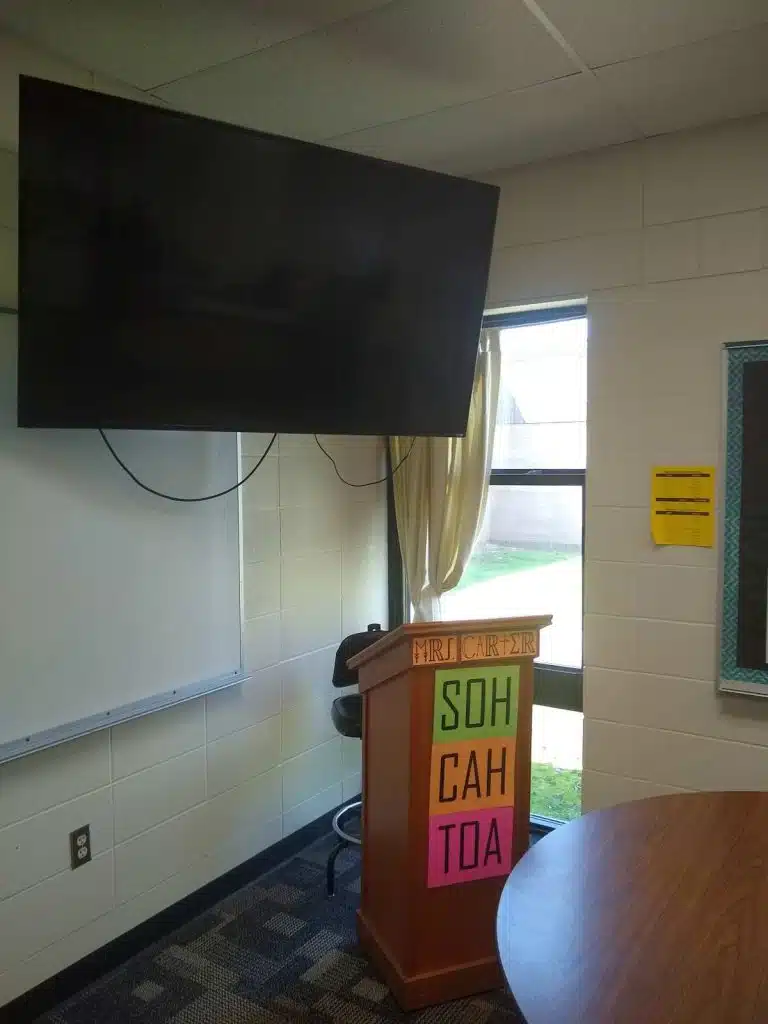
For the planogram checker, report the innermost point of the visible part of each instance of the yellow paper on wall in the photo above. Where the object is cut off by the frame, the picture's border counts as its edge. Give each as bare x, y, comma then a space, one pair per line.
683, 505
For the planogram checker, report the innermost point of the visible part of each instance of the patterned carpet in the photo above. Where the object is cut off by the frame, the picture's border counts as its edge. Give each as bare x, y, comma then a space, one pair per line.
276, 952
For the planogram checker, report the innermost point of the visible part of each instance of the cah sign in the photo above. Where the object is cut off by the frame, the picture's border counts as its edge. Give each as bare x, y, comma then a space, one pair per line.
472, 774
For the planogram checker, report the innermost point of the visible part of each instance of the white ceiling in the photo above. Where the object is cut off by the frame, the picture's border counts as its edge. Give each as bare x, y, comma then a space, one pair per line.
459, 85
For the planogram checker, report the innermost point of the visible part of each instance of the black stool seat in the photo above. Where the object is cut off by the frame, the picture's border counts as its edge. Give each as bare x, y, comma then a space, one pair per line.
347, 715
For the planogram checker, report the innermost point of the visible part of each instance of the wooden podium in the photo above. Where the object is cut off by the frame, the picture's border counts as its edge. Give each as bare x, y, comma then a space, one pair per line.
446, 798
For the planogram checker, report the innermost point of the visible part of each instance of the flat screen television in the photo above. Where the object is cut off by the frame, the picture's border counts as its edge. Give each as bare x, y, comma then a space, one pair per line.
177, 272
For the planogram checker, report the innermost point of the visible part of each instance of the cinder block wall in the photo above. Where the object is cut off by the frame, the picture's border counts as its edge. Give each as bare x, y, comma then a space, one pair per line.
668, 240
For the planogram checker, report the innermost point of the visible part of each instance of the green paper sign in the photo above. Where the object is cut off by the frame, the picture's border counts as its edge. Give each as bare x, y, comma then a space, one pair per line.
475, 703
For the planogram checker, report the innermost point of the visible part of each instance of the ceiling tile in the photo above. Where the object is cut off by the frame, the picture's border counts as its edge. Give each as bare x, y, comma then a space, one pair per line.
500, 131
146, 42
606, 31
709, 81
397, 61
18, 58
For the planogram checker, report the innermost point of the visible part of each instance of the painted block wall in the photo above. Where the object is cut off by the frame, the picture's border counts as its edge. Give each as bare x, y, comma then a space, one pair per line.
178, 798
668, 240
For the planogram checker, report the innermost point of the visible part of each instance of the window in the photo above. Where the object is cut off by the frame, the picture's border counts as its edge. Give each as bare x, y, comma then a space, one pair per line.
528, 556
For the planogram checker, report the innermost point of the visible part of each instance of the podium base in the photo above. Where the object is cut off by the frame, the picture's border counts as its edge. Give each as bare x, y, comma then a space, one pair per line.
415, 991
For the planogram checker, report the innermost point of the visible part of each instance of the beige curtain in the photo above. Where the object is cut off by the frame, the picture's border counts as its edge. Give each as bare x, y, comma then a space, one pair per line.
441, 490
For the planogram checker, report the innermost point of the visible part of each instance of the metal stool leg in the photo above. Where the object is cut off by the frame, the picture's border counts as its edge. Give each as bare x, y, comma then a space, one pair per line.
345, 839
330, 871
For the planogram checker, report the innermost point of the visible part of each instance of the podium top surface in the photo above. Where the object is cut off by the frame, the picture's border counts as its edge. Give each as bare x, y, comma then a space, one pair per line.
500, 636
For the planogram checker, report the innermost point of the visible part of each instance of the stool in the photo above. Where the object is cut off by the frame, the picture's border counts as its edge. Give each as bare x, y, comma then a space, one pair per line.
347, 716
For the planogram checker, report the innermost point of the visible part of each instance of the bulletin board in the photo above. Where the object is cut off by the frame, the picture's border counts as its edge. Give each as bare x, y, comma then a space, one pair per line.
744, 551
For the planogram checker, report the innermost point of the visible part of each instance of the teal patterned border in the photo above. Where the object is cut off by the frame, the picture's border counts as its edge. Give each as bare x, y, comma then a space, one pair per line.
737, 356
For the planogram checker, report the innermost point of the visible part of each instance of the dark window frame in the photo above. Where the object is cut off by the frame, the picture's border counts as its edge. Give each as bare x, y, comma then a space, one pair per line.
554, 686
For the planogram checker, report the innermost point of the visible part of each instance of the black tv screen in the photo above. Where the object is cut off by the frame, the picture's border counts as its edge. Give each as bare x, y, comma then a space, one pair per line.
177, 272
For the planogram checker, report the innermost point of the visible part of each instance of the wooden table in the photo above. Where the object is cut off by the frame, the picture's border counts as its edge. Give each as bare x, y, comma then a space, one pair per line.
652, 912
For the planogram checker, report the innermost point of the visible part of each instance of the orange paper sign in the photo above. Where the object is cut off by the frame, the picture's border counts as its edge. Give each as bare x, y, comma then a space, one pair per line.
433, 650
482, 646
471, 774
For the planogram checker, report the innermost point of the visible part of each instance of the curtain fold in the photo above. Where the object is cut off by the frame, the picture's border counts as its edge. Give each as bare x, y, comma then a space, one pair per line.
442, 488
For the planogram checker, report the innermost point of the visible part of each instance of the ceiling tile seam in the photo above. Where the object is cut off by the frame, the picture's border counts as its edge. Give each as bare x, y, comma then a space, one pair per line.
33, 44
280, 42
556, 35
448, 106
129, 88
574, 56
678, 46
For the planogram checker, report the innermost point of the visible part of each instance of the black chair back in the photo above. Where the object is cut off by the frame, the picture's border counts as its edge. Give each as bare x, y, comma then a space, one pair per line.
348, 648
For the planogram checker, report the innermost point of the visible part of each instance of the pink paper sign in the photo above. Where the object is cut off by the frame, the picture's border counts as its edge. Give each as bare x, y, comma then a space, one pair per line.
469, 845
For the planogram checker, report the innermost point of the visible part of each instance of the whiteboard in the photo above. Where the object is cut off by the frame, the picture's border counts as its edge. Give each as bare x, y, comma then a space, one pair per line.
113, 602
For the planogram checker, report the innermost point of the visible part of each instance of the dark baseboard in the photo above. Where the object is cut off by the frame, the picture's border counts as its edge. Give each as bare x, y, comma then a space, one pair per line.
48, 994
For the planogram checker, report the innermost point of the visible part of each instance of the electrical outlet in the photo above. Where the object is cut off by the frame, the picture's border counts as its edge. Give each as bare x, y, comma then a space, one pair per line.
80, 846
